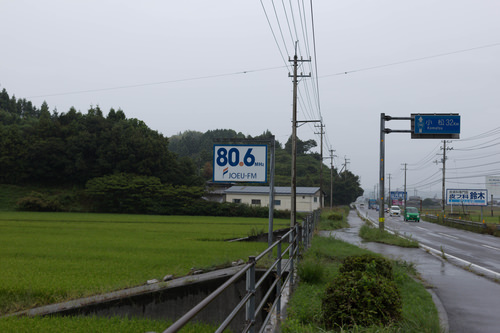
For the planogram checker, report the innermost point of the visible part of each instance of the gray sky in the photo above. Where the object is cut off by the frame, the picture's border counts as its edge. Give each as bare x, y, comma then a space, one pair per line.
203, 65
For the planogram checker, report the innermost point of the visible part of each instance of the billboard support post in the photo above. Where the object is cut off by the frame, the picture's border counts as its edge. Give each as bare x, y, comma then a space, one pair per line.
250, 156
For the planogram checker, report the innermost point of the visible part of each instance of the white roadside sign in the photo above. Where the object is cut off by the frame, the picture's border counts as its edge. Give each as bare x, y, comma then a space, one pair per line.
467, 197
240, 163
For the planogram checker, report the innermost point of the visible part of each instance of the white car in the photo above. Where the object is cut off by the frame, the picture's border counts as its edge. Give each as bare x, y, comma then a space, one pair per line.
395, 211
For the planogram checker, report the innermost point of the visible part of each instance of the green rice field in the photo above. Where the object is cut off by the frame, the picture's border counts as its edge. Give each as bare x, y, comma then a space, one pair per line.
54, 257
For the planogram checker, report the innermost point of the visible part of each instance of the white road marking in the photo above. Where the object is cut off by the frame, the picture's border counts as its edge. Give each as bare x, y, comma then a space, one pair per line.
491, 247
422, 228
445, 235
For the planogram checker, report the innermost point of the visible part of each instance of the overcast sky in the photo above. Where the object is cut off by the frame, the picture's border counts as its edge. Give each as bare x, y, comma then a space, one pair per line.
203, 65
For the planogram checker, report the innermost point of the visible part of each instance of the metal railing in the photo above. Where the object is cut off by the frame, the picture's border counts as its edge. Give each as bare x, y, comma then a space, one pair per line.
478, 225
300, 234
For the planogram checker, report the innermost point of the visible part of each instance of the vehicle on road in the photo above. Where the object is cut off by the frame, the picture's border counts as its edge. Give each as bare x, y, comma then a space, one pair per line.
412, 214
395, 211
372, 203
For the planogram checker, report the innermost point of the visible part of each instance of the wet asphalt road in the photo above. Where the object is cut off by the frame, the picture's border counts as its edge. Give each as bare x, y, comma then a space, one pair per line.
469, 302
479, 249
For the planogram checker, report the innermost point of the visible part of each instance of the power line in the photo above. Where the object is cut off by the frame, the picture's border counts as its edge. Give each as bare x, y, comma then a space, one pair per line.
413, 60
155, 83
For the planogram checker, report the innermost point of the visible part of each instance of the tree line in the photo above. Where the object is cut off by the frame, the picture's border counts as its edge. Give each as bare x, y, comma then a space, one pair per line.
40, 147
124, 166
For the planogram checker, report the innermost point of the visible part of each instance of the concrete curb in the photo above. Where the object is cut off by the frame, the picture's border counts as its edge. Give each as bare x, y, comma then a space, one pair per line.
443, 315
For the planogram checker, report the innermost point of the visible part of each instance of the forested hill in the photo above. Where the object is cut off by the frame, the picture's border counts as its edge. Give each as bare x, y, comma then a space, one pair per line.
70, 148
199, 147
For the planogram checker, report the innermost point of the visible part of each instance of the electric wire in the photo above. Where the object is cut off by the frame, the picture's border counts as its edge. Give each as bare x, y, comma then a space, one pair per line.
413, 60
154, 83
274, 35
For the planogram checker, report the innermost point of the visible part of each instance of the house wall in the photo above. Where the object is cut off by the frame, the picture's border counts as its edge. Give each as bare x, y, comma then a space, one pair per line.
305, 203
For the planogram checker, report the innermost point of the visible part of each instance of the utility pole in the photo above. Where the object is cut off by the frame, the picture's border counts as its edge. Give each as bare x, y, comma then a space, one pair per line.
293, 210
404, 191
331, 177
321, 126
346, 161
443, 160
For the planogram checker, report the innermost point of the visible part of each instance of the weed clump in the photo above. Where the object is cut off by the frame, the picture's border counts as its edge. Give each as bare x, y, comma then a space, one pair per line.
363, 294
311, 271
335, 216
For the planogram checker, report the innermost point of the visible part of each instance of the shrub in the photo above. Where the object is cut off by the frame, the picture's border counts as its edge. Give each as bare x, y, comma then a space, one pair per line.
370, 263
363, 294
360, 298
38, 202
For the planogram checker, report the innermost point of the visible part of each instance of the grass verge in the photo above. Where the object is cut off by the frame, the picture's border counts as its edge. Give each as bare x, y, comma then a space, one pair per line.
372, 234
323, 260
335, 218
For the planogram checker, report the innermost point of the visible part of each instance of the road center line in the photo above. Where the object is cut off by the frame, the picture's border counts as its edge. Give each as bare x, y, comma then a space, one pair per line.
422, 228
445, 235
491, 247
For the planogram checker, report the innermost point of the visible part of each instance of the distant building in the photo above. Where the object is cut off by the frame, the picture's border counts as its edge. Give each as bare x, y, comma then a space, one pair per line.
307, 198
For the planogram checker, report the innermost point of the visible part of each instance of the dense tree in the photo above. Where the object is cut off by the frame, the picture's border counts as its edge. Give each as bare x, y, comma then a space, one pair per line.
303, 147
130, 193
38, 146
346, 188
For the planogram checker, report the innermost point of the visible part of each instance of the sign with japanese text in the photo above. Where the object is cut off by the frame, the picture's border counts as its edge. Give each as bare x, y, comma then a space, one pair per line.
435, 126
399, 195
467, 197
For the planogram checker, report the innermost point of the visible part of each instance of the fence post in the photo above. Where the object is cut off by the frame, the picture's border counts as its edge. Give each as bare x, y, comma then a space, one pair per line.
291, 257
278, 284
305, 238
250, 306
298, 231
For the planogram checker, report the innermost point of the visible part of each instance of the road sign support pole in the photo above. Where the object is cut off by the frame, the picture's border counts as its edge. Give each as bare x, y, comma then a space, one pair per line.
381, 219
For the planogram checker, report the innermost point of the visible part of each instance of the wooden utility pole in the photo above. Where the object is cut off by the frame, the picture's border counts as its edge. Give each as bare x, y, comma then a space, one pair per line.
331, 177
293, 210
321, 126
443, 200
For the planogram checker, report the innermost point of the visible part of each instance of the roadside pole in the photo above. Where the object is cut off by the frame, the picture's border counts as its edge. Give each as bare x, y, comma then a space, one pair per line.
423, 126
381, 218
271, 192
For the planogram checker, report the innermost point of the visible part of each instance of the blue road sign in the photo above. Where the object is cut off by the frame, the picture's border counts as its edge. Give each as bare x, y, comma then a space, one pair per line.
437, 124
399, 195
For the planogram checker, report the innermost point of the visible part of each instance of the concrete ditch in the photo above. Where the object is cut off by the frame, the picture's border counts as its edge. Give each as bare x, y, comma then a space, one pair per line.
165, 300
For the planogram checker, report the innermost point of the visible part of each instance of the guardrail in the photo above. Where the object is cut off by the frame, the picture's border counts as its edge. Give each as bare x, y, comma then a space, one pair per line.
457, 221
301, 234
